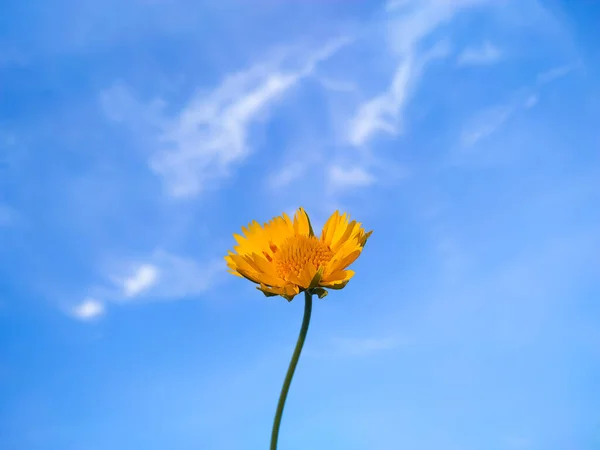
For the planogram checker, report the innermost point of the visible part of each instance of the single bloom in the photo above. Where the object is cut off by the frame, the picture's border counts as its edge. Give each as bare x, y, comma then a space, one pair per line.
284, 257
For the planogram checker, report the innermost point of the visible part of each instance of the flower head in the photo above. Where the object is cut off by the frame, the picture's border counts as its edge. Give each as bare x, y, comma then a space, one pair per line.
284, 257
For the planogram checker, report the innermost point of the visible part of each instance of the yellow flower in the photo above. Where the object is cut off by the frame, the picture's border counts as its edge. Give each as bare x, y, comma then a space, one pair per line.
284, 257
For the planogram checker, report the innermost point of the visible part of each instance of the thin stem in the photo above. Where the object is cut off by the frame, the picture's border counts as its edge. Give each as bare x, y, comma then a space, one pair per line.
290, 372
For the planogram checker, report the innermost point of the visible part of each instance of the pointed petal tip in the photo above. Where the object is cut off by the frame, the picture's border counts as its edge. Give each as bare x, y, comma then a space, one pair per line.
266, 293
320, 292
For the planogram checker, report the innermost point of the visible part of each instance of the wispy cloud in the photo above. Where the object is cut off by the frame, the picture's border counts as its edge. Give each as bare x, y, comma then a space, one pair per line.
408, 25
554, 74
183, 277
349, 177
383, 113
144, 278
287, 174
484, 124
88, 309
487, 53
488, 121
300, 165
163, 276
211, 134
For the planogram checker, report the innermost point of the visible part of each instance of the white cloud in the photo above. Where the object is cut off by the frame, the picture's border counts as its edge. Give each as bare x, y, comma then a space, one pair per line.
163, 276
484, 124
89, 309
349, 177
409, 26
409, 23
144, 278
554, 74
182, 277
488, 121
383, 112
211, 134
485, 54
287, 175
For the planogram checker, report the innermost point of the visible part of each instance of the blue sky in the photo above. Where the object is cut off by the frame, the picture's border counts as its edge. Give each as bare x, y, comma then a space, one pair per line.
136, 136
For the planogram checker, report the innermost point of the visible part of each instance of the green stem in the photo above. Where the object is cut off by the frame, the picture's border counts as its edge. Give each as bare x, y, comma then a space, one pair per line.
290, 372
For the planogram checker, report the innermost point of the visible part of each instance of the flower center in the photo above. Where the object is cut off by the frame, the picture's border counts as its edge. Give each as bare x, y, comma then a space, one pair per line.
296, 252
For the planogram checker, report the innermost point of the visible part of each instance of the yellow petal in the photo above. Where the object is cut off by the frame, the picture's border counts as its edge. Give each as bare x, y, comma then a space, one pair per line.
344, 262
307, 274
293, 278
234, 272
302, 223
336, 286
252, 276
288, 290
363, 239
267, 291
344, 235
270, 290
329, 228
265, 267
336, 277
241, 262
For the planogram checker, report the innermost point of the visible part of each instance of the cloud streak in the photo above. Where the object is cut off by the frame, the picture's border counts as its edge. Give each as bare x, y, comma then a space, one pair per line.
162, 276
144, 278
554, 74
349, 177
88, 310
408, 24
484, 124
212, 133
